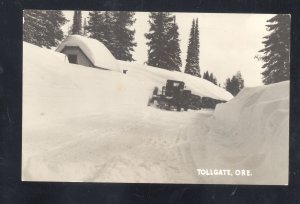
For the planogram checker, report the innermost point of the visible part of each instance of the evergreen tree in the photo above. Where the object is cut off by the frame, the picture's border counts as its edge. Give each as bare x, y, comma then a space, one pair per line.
173, 47
100, 27
240, 80
197, 48
192, 61
235, 84
113, 30
206, 75
95, 23
277, 50
109, 34
84, 27
43, 28
228, 85
77, 23
124, 36
190, 49
210, 77
33, 28
55, 20
163, 42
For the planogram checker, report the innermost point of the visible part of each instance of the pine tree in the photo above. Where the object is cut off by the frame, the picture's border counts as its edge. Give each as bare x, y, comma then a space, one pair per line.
227, 85
100, 27
84, 27
190, 49
108, 33
235, 84
277, 50
173, 47
163, 32
54, 34
43, 28
192, 61
34, 29
213, 79
240, 80
124, 36
77, 23
95, 23
197, 49
210, 77
156, 51
206, 75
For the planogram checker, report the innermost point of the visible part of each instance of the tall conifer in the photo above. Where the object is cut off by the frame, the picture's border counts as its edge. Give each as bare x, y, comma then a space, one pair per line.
113, 29
43, 28
192, 61
173, 47
163, 41
124, 35
277, 50
77, 23
235, 84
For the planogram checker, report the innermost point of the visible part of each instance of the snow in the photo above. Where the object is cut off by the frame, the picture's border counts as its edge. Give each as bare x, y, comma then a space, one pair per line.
82, 124
99, 55
255, 133
158, 76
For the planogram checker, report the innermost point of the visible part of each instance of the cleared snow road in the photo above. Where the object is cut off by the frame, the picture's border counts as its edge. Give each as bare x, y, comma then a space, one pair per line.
142, 146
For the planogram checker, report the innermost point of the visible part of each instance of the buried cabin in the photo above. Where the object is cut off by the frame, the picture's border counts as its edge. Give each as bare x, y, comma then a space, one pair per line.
88, 52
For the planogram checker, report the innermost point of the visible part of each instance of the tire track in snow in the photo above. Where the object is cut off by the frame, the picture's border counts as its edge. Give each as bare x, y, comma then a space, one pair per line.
154, 148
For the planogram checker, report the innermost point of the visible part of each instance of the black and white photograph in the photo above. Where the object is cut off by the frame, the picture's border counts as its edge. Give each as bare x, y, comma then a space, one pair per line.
155, 97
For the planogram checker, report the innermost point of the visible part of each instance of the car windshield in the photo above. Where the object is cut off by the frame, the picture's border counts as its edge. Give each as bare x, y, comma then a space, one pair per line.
176, 84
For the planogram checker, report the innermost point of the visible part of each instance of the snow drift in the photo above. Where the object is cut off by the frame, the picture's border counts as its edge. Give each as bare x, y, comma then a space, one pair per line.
158, 76
54, 89
96, 51
83, 124
251, 132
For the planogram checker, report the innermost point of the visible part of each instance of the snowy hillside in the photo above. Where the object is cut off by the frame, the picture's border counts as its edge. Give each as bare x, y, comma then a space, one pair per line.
156, 76
85, 124
55, 89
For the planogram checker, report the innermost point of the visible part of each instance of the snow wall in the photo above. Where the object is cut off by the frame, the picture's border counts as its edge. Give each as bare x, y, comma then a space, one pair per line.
251, 131
54, 89
159, 76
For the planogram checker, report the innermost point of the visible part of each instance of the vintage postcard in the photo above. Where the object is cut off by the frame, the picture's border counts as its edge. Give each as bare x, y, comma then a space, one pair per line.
155, 97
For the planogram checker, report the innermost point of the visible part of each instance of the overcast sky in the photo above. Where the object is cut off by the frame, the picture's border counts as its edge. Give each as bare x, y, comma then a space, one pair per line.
228, 42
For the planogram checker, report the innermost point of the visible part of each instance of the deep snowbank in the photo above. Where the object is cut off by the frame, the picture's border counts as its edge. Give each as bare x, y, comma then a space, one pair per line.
158, 76
54, 89
251, 132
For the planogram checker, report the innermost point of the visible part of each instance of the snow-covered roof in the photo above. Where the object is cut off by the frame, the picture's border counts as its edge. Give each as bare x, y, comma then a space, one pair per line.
97, 53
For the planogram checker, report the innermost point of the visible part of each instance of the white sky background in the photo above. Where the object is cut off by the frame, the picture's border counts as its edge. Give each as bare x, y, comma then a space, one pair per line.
228, 42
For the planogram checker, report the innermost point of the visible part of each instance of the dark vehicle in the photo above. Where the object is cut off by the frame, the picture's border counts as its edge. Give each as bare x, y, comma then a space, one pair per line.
210, 103
195, 102
172, 96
